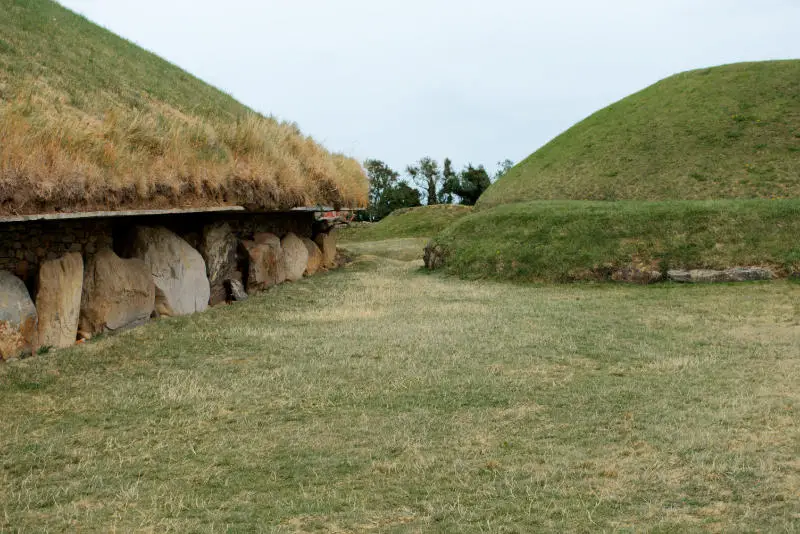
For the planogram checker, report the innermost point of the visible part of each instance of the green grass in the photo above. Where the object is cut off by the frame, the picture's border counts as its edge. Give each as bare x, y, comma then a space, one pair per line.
725, 132
379, 398
401, 249
44, 40
573, 240
424, 221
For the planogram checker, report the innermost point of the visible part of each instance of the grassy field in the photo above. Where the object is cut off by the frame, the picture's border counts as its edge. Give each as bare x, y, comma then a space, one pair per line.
724, 132
424, 221
573, 240
90, 120
379, 398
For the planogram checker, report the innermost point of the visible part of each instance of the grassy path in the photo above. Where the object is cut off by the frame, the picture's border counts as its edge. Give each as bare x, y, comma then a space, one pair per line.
379, 398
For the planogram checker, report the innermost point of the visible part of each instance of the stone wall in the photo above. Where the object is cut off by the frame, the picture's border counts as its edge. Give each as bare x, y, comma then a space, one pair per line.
24, 246
94, 275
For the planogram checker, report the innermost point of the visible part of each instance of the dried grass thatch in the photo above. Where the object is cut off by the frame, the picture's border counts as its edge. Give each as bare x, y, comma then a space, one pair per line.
90, 121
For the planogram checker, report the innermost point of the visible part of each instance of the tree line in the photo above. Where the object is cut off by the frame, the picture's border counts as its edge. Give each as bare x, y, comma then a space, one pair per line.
428, 182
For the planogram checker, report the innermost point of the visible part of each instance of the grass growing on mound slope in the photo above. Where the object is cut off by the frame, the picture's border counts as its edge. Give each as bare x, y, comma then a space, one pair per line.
724, 132
575, 240
90, 120
424, 221
381, 399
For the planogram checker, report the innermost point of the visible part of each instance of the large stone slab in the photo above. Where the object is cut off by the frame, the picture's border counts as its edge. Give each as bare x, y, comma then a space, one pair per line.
18, 318
736, 274
218, 247
58, 300
178, 270
266, 265
637, 275
117, 293
314, 257
327, 243
295, 255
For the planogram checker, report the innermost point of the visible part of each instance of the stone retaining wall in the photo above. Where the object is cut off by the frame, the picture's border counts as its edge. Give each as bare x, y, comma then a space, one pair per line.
24, 246
88, 276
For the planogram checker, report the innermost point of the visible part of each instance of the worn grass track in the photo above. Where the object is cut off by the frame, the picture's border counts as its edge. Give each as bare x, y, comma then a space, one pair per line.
379, 398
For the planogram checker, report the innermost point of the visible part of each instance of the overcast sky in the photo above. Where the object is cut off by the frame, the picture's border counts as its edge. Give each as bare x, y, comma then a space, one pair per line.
476, 81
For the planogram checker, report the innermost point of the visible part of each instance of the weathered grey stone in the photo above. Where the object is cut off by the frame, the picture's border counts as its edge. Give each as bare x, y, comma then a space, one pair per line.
295, 255
266, 266
58, 300
314, 257
236, 290
117, 293
636, 275
736, 274
749, 274
434, 256
327, 244
218, 247
18, 318
178, 270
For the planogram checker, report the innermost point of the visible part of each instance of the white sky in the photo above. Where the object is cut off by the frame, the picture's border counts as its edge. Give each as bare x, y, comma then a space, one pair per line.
476, 81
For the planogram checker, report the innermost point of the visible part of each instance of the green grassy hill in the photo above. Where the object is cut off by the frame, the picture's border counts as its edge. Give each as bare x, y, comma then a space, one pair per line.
424, 221
563, 241
90, 120
725, 132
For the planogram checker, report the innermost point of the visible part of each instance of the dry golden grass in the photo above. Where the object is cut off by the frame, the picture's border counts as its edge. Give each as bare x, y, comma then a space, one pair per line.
379, 398
119, 128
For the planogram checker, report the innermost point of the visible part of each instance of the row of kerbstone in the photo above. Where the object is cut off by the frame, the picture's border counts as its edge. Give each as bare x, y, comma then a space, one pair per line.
163, 276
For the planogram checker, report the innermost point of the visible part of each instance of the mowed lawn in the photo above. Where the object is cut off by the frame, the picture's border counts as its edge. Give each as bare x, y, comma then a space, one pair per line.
380, 398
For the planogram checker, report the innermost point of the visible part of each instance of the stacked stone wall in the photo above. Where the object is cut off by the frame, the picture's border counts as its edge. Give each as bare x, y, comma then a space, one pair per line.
24, 246
98, 274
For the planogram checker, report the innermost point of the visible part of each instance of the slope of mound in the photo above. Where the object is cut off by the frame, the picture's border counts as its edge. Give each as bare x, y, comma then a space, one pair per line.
724, 132
89, 120
561, 241
424, 221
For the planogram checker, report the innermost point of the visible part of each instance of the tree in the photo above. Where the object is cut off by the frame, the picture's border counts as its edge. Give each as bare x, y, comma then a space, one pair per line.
449, 183
505, 166
472, 182
426, 175
381, 179
400, 196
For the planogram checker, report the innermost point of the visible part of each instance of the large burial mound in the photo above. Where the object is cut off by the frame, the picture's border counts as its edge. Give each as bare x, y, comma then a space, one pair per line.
91, 121
723, 132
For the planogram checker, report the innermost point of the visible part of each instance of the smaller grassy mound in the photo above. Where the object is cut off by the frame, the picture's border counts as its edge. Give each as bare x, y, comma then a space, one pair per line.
424, 221
564, 241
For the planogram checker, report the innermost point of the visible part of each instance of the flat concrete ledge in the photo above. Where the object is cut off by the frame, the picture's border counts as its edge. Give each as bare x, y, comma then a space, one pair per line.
139, 213
121, 213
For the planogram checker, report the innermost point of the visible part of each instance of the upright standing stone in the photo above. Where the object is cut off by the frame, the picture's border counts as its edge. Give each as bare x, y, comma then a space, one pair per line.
327, 243
18, 318
267, 266
58, 300
117, 293
178, 270
314, 257
295, 255
218, 247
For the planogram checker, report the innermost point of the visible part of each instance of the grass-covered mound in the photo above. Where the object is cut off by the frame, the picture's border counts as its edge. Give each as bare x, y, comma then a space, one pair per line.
559, 241
90, 120
724, 132
424, 221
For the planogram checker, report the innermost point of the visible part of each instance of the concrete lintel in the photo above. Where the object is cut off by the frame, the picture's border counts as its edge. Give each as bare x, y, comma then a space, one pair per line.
139, 213
102, 214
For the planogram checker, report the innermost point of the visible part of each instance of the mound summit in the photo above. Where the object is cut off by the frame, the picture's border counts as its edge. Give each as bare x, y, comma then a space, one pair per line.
725, 132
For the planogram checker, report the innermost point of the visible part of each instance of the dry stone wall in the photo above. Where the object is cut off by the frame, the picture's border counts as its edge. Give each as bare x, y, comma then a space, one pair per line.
105, 274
